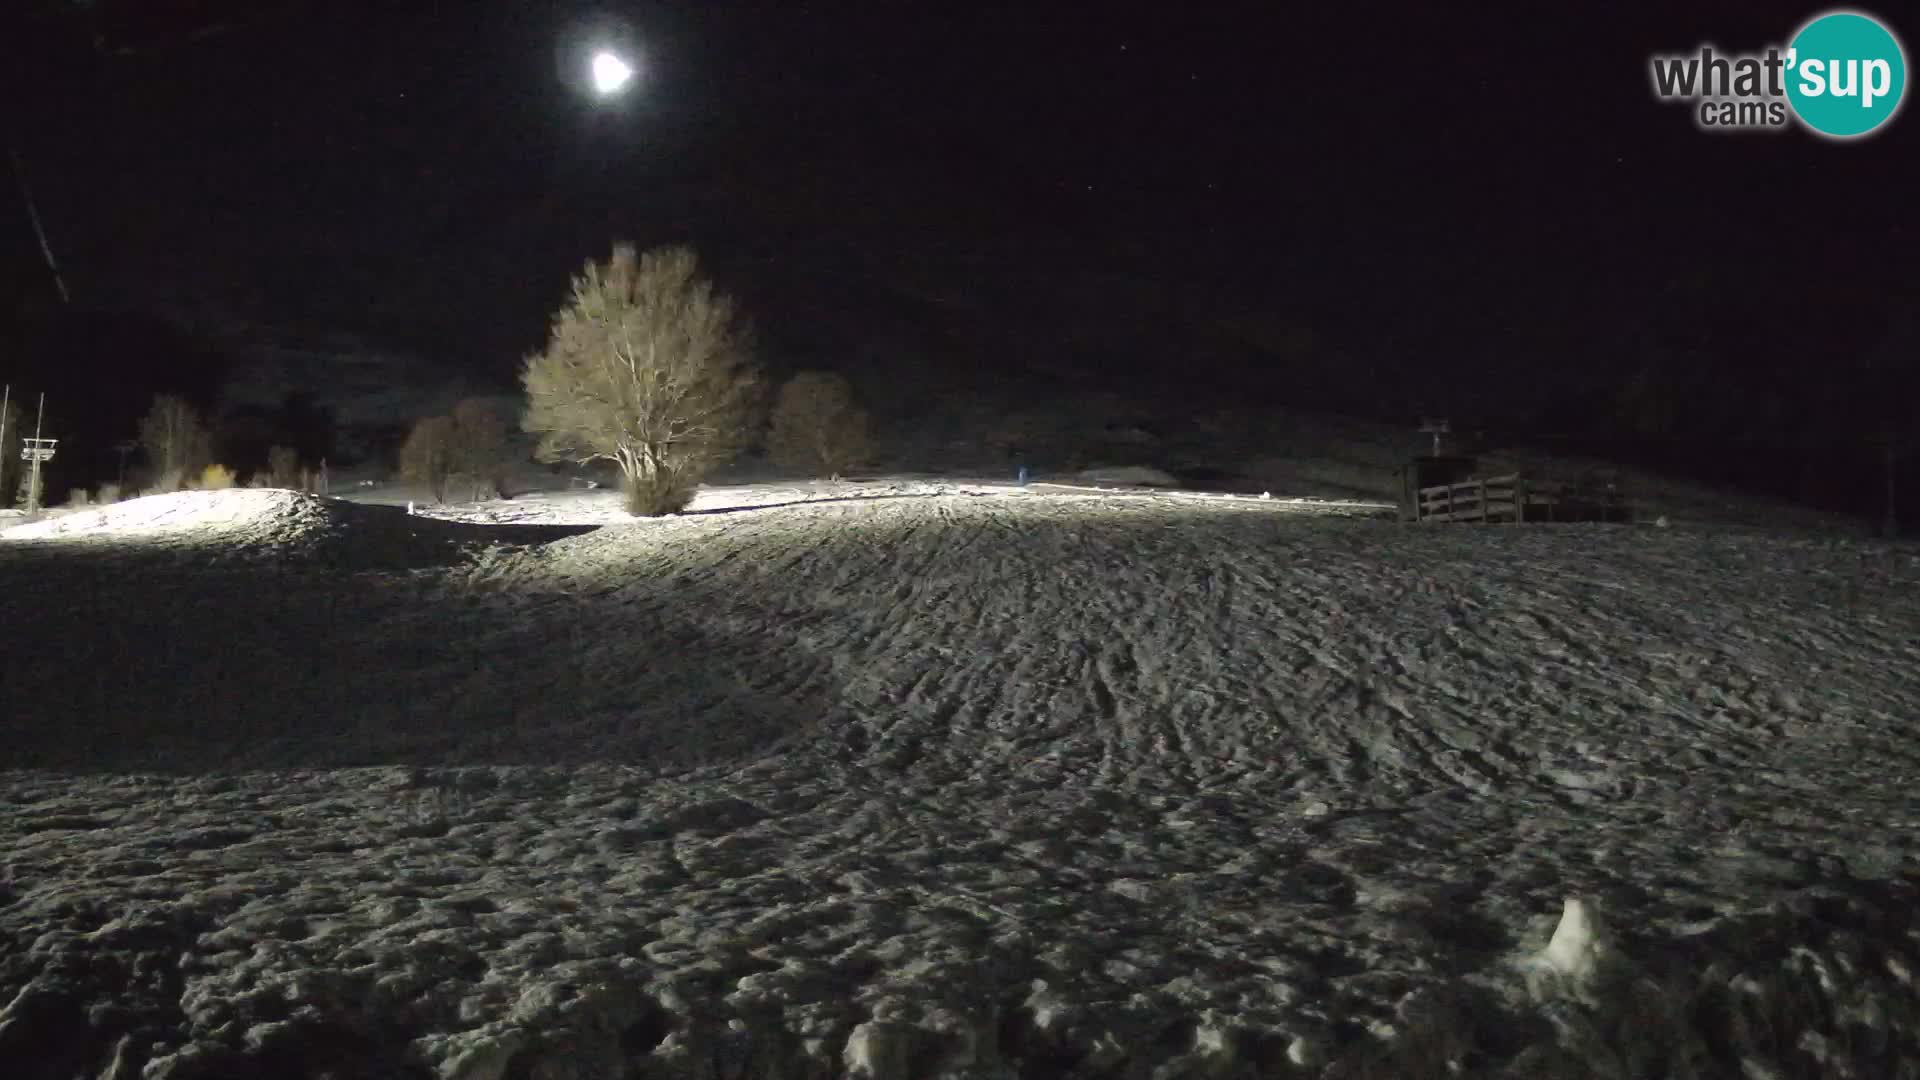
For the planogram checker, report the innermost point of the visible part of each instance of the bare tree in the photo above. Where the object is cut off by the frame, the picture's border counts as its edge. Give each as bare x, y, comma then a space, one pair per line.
648, 367
818, 427
176, 442
480, 446
283, 467
427, 455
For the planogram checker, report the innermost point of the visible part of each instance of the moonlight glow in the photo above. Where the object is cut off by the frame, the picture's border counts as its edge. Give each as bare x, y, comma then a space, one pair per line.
610, 73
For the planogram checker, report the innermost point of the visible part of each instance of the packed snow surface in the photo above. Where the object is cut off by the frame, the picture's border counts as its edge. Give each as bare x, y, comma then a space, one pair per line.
913, 779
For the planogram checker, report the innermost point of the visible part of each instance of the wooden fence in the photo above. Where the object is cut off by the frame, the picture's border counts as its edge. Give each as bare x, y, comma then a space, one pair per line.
1513, 498
1496, 498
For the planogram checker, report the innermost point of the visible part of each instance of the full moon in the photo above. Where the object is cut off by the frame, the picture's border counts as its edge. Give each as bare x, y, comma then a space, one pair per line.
610, 73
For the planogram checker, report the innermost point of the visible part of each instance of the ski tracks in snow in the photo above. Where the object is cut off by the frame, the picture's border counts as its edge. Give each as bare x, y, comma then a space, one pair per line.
1056, 641
851, 760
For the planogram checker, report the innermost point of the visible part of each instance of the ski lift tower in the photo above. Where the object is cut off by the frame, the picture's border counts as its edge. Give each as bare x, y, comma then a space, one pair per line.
35, 451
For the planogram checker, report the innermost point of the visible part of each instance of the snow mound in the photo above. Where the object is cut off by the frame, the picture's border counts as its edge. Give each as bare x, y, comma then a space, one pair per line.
264, 513
289, 526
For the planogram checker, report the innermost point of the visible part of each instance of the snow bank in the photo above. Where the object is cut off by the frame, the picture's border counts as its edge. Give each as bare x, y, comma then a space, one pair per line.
1133, 475
955, 785
603, 506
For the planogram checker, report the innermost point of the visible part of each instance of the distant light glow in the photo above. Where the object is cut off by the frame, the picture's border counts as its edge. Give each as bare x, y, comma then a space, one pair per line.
610, 73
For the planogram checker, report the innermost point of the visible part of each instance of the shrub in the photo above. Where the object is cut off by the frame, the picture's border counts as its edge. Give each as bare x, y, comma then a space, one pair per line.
818, 428
427, 455
79, 497
648, 367
216, 477
479, 452
470, 445
108, 494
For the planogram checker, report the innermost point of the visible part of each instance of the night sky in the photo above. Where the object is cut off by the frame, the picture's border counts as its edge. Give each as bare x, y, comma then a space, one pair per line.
1357, 205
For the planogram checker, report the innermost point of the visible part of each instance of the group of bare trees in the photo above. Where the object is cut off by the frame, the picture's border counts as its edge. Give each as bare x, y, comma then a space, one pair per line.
178, 445
647, 366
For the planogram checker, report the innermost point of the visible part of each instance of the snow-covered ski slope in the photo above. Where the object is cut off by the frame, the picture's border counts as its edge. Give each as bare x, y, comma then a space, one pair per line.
924, 780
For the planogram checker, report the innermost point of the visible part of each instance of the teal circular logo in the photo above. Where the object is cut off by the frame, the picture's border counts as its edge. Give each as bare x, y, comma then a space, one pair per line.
1846, 74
